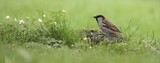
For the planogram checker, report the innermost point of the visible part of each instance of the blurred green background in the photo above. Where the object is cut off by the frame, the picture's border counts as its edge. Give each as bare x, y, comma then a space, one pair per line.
143, 13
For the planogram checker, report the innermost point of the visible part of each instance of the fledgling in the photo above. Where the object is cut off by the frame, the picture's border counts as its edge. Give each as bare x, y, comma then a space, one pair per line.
108, 28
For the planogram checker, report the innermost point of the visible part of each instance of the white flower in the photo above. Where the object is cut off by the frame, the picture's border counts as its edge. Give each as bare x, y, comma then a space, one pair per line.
63, 11
21, 22
39, 20
8, 17
15, 19
85, 38
90, 47
55, 23
44, 15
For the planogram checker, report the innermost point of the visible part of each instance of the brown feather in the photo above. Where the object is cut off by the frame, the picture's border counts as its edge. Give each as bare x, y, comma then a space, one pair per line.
110, 26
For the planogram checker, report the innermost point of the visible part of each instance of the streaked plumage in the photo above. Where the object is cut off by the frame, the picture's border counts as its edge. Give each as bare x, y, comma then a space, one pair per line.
107, 27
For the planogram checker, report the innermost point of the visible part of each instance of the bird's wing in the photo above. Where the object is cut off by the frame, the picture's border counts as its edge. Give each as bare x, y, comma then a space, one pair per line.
110, 26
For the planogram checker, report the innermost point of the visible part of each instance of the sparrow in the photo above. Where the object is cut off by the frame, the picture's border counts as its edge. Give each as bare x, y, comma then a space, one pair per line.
107, 27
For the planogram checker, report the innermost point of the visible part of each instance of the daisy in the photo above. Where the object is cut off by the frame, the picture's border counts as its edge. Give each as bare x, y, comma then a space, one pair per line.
15, 19
21, 21
8, 17
39, 20
85, 38
44, 16
63, 11
55, 23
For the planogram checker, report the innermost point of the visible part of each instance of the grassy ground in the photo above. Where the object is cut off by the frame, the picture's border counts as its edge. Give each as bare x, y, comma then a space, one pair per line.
34, 41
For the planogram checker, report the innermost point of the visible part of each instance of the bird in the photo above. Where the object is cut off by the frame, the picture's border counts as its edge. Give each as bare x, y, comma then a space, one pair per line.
108, 28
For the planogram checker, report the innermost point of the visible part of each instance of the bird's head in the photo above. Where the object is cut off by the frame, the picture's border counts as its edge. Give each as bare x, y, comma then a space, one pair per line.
99, 17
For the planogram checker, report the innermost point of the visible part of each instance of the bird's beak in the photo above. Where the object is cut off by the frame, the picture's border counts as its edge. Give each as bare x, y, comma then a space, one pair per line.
94, 16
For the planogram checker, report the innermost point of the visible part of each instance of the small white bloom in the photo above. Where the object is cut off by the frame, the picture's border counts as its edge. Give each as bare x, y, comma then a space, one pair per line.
55, 23
63, 11
44, 15
15, 19
8, 17
39, 20
90, 47
85, 38
21, 22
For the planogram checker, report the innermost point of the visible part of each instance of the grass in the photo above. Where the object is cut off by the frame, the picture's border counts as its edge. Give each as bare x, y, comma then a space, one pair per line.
33, 30
56, 39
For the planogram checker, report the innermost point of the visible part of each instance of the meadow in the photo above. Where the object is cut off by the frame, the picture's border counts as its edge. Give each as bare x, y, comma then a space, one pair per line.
47, 31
